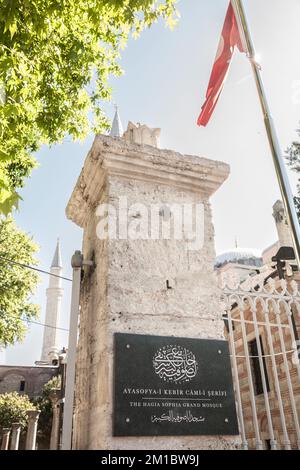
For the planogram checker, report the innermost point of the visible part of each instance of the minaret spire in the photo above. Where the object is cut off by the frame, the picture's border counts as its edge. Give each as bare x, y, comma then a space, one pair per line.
53, 306
116, 128
283, 228
56, 262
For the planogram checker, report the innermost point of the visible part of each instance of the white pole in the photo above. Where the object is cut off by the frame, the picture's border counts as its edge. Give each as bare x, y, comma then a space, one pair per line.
71, 355
280, 169
287, 374
289, 314
263, 379
237, 381
286, 442
259, 444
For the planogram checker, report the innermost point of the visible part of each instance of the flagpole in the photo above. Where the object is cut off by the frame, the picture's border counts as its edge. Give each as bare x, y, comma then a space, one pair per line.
280, 168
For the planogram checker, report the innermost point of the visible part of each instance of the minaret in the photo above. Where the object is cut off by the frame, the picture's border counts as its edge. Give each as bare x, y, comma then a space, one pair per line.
53, 306
116, 128
283, 229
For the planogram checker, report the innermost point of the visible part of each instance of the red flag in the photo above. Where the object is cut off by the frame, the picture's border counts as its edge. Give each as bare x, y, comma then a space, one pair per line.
230, 38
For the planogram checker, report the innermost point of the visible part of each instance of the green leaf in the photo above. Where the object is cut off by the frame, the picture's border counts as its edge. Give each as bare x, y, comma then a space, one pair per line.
8, 202
13, 409
4, 155
56, 61
13, 29
17, 284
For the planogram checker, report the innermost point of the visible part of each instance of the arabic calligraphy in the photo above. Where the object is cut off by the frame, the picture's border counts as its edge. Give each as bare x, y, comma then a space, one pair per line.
177, 418
175, 364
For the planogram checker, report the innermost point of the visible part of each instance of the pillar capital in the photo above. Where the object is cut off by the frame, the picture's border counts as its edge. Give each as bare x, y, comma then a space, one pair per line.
15, 426
117, 158
33, 415
55, 396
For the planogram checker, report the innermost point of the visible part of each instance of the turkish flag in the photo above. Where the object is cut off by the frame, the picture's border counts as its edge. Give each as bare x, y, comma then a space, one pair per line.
230, 38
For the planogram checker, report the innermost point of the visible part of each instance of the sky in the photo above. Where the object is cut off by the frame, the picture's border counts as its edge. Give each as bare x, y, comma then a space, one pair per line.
164, 85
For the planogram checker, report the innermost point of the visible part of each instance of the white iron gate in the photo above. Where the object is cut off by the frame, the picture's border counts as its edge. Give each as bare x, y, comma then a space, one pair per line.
262, 325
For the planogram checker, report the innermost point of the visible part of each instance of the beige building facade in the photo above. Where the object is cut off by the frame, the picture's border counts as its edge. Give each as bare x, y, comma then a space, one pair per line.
25, 380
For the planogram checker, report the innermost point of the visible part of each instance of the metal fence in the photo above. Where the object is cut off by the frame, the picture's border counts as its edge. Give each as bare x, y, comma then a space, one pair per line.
262, 325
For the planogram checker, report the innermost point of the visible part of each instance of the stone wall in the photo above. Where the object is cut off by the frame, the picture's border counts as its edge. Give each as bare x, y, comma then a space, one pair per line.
128, 290
34, 377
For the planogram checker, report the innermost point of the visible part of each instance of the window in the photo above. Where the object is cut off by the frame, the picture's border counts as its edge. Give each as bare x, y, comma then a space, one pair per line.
22, 386
257, 377
268, 444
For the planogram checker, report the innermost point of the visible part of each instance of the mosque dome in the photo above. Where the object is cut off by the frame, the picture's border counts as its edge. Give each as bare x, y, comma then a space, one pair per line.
245, 256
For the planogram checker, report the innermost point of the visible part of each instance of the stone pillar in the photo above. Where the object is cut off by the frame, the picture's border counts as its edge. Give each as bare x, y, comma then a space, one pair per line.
5, 438
155, 286
55, 397
33, 417
15, 436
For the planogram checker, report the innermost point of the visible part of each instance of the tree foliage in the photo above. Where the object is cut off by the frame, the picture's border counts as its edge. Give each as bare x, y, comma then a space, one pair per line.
43, 403
13, 409
293, 159
17, 284
55, 60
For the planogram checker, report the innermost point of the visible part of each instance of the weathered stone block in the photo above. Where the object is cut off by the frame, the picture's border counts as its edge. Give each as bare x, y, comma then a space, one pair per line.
156, 287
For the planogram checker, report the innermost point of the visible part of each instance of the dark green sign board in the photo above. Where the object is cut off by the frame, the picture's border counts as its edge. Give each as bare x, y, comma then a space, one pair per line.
165, 386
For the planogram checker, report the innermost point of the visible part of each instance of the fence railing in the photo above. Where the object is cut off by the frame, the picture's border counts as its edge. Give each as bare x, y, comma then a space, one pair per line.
262, 323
